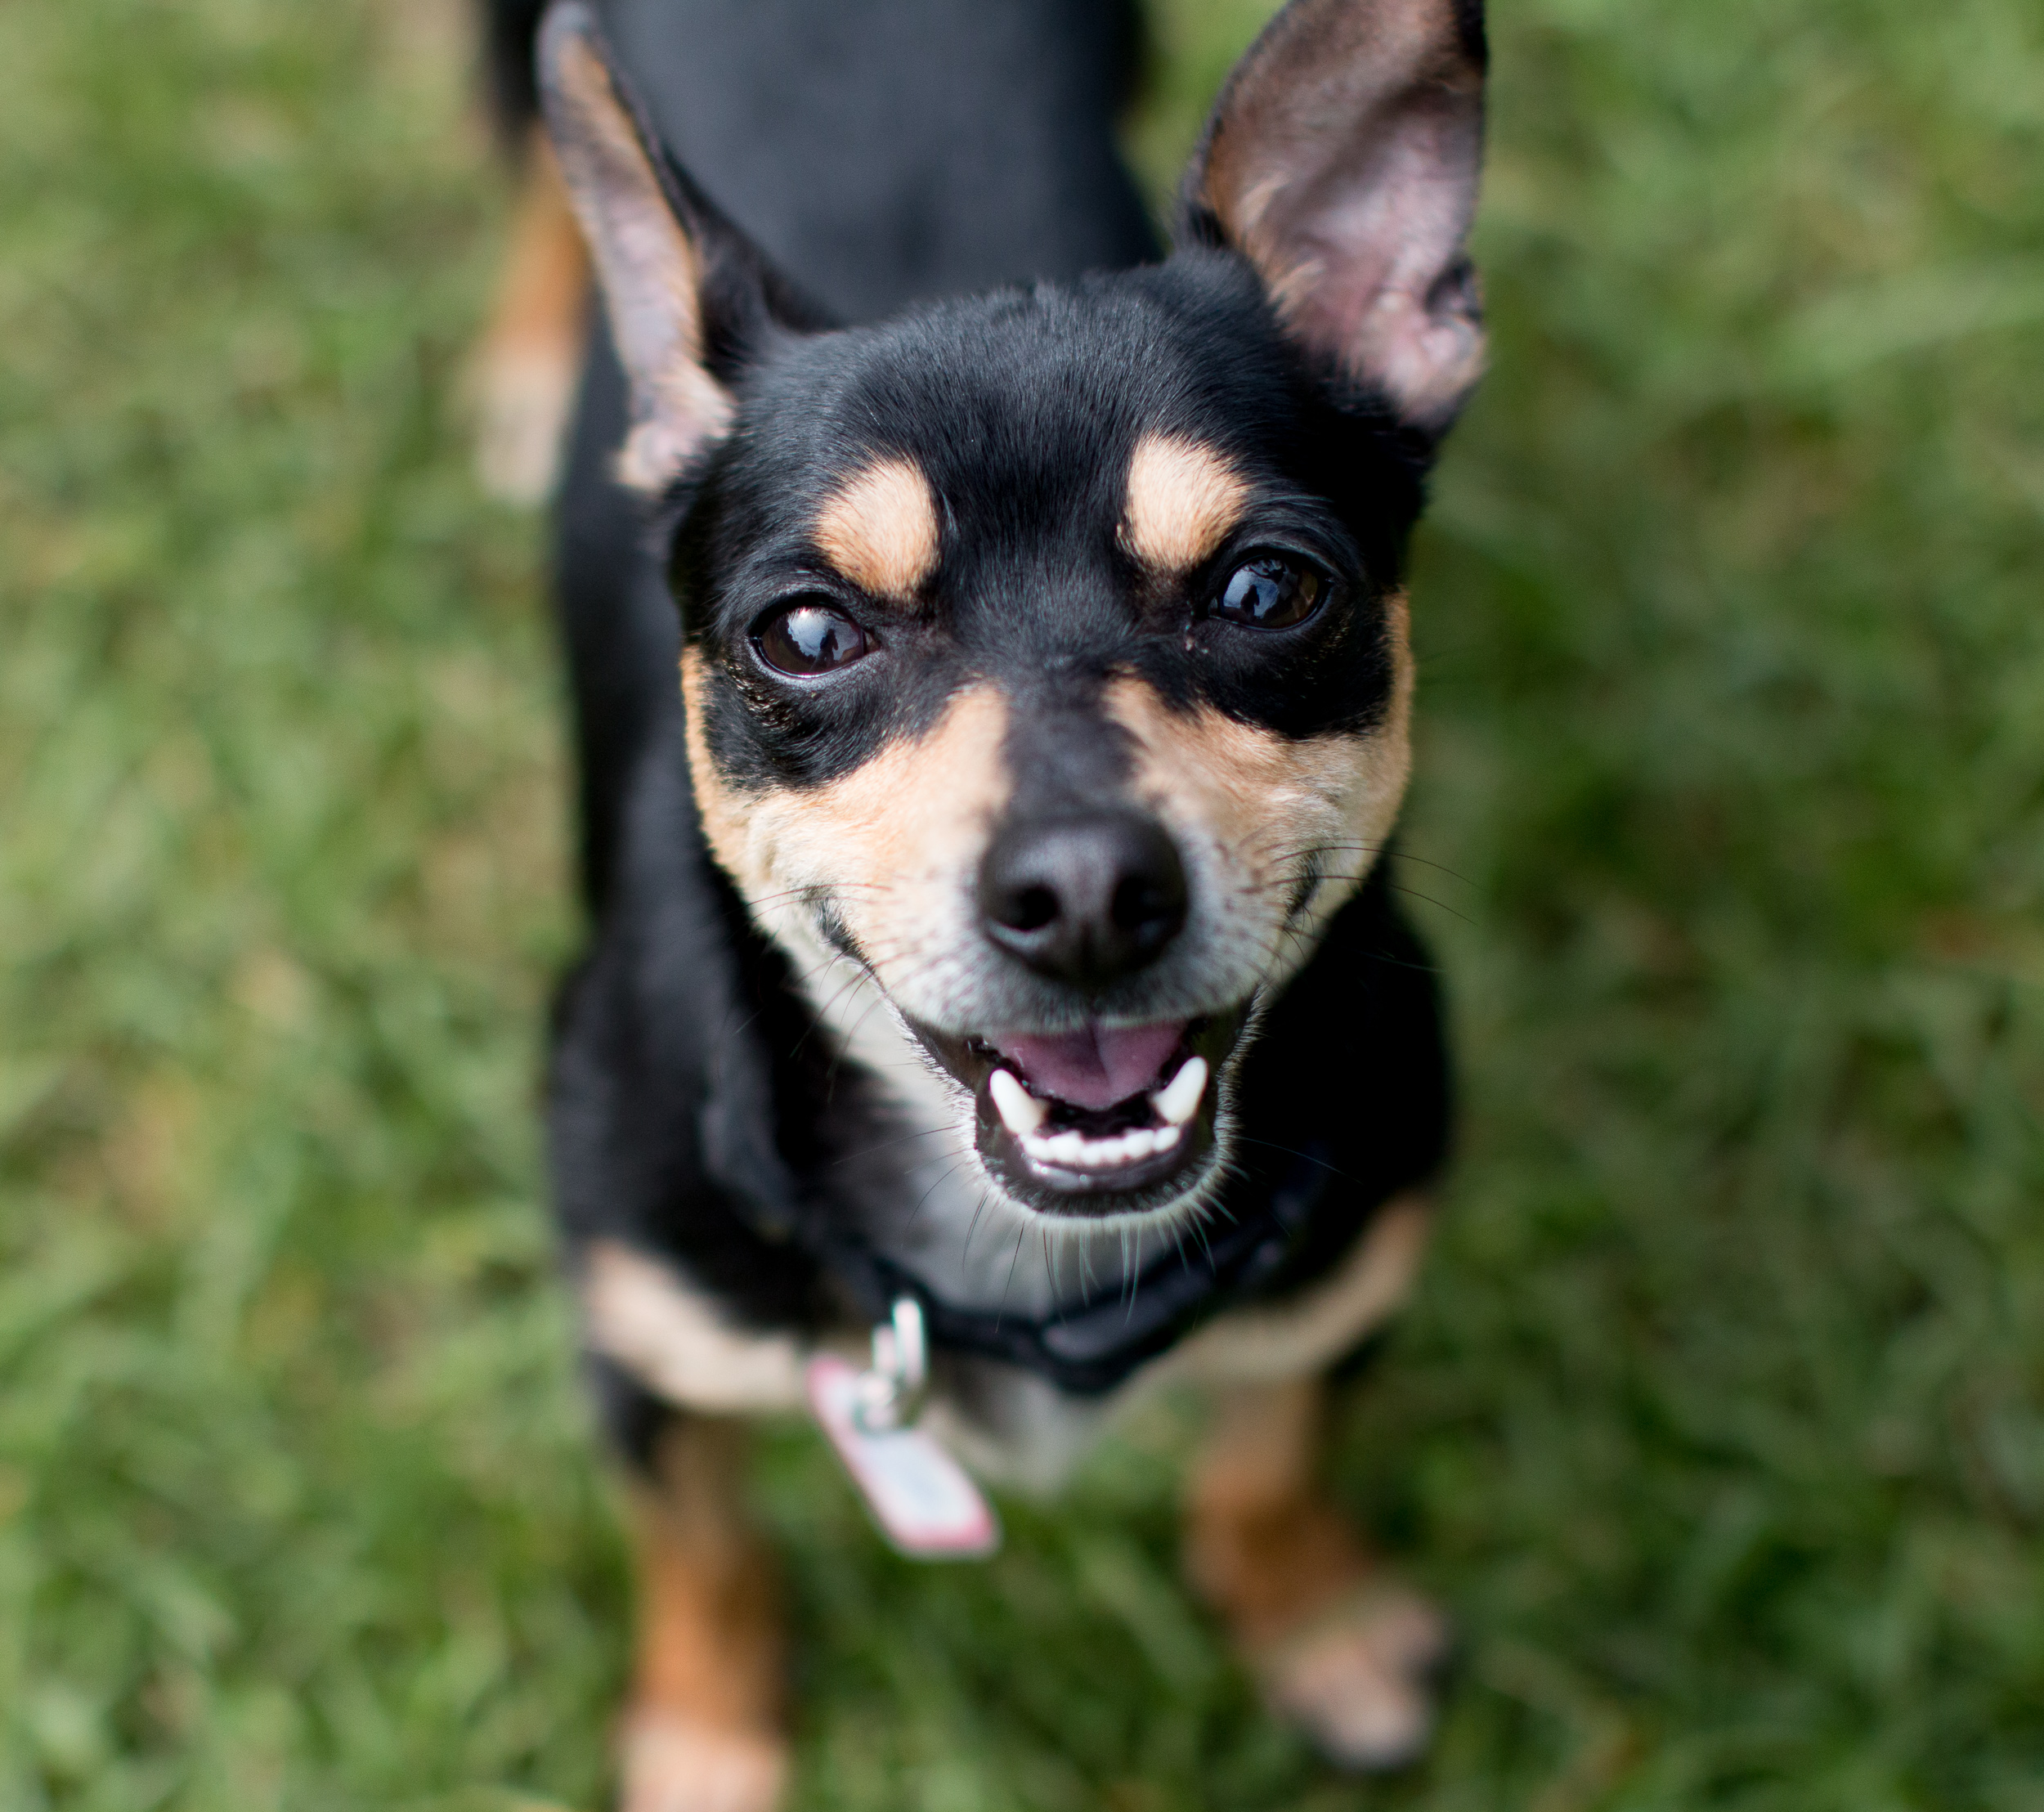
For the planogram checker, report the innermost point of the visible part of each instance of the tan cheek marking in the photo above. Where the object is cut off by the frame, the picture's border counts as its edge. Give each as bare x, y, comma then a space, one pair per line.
1183, 498
1258, 794
722, 809
881, 531
898, 833
908, 809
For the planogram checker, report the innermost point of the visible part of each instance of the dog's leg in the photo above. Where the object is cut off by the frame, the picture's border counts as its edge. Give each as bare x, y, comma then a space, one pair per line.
531, 355
702, 1732
1339, 1649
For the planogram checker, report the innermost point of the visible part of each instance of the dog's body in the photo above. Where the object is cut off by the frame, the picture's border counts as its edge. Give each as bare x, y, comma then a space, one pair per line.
992, 918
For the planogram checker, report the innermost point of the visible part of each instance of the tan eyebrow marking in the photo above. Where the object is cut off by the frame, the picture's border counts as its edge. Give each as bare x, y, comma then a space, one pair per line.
1182, 498
880, 530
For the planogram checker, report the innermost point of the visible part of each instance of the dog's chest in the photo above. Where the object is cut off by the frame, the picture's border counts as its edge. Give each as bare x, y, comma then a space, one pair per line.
915, 1194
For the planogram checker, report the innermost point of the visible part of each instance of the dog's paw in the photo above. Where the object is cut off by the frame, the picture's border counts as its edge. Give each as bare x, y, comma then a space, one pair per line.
1358, 1677
669, 1765
521, 397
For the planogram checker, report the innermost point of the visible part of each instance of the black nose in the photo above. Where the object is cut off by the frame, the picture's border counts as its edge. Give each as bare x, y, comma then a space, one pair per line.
1086, 900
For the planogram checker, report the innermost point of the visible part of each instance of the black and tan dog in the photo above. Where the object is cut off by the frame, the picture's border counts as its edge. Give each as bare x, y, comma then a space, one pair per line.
993, 917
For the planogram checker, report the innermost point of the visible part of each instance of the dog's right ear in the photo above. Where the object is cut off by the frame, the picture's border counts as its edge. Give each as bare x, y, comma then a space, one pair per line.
1341, 161
690, 299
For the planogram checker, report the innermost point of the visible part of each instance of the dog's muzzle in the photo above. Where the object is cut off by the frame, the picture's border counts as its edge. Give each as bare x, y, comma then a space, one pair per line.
1107, 1117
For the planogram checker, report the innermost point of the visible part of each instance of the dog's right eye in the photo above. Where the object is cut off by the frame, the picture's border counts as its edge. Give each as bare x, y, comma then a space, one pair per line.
1271, 590
810, 637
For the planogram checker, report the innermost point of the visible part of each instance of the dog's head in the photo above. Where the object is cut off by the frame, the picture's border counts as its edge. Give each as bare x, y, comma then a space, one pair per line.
1045, 653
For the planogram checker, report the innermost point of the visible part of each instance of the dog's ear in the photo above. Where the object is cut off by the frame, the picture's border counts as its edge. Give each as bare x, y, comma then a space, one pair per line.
690, 299
1341, 161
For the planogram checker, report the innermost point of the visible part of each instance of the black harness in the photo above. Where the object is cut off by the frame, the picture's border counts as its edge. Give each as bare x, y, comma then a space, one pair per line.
1089, 1348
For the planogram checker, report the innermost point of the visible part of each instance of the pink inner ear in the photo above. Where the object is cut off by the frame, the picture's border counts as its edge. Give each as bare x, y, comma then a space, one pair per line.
1342, 161
1364, 293
649, 266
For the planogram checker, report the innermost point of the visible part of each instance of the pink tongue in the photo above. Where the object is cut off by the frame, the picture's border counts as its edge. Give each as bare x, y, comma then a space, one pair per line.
1097, 1067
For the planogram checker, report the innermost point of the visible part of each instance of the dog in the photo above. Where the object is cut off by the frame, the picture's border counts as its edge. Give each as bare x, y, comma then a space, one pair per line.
520, 381
992, 944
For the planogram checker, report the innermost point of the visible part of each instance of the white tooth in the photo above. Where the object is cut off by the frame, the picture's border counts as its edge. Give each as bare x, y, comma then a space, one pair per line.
1179, 1101
1021, 1111
1072, 1150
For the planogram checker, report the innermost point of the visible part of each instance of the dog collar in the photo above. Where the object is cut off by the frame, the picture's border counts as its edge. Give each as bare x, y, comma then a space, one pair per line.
1089, 1349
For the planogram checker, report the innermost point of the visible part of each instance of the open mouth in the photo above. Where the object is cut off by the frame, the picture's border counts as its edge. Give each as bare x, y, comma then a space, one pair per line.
1103, 1120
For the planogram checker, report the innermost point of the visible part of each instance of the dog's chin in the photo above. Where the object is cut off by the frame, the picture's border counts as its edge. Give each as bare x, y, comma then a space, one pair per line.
1099, 1123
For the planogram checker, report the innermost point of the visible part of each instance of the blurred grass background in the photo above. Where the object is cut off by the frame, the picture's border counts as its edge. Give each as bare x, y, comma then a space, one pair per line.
1720, 1420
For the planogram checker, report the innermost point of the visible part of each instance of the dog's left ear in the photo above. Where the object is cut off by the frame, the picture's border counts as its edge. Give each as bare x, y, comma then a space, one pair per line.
1341, 161
690, 299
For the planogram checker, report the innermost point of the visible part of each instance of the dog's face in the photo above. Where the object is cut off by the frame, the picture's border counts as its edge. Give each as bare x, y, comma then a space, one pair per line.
1045, 664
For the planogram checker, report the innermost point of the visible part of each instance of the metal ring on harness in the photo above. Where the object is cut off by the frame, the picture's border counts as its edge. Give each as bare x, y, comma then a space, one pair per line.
891, 1391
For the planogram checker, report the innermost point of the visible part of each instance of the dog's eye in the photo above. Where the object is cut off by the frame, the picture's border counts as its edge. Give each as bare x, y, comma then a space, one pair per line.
810, 637
1269, 591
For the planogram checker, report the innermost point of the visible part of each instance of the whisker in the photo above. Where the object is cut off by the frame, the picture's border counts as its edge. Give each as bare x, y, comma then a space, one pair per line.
1413, 893
973, 1225
815, 890
999, 1308
1304, 1157
888, 1145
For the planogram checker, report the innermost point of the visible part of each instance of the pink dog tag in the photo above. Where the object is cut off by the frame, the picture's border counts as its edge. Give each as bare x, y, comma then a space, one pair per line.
926, 1505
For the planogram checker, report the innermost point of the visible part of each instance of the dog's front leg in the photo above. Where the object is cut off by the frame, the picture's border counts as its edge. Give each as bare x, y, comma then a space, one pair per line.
1340, 1649
702, 1731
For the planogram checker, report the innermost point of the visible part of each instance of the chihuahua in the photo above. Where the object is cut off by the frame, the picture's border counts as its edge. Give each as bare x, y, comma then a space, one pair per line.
993, 945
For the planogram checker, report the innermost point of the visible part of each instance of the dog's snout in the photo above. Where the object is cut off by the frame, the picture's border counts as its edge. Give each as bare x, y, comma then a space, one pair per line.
1084, 900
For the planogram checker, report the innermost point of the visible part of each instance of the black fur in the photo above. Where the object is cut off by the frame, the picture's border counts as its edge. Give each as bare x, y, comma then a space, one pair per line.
884, 153
508, 28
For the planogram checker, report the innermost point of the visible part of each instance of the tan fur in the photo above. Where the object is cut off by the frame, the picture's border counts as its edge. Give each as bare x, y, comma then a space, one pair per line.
1255, 801
1183, 498
650, 269
892, 843
675, 1339
543, 291
527, 365
706, 1689
879, 531
1316, 1327
1262, 1544
1340, 1649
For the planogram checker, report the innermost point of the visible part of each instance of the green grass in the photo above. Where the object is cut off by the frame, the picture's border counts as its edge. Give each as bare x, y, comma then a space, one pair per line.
1720, 1419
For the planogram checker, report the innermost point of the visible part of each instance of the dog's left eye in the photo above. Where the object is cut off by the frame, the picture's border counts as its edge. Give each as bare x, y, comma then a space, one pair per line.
810, 637
1270, 591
